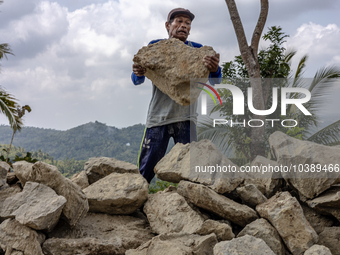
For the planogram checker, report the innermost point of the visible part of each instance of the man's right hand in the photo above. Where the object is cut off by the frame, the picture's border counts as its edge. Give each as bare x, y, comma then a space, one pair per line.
138, 70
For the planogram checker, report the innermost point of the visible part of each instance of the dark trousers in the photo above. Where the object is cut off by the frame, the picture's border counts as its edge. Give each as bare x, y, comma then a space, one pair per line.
155, 143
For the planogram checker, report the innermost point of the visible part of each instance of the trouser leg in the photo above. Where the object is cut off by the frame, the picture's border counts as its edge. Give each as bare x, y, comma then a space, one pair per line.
184, 132
153, 148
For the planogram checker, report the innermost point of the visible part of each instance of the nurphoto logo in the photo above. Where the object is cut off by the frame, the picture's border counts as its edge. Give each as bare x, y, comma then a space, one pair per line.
239, 104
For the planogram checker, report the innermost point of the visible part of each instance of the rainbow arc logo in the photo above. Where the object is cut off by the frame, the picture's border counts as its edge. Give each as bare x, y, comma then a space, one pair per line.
209, 93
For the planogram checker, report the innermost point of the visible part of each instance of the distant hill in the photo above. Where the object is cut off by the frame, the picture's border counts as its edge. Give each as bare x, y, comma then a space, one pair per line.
80, 143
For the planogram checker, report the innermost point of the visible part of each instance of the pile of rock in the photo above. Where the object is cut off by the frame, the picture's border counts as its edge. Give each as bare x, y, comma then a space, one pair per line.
106, 209
46, 213
274, 212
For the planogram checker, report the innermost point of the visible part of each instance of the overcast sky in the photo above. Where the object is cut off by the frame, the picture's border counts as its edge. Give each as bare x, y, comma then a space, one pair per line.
73, 58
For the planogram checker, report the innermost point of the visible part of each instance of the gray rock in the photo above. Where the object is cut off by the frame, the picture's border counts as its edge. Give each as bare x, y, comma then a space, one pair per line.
81, 179
175, 243
262, 229
168, 212
16, 237
4, 167
83, 246
286, 215
330, 238
300, 155
318, 250
268, 180
222, 231
98, 168
243, 245
37, 207
250, 195
22, 170
117, 193
11, 178
170, 64
328, 202
316, 220
100, 233
8, 192
190, 162
205, 198
76, 206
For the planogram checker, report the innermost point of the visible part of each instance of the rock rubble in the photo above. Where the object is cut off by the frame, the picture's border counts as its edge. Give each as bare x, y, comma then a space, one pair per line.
216, 214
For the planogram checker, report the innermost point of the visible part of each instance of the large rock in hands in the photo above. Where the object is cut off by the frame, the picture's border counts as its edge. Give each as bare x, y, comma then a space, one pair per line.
170, 64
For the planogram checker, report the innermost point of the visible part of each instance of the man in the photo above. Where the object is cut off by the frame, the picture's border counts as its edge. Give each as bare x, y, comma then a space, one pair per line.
165, 117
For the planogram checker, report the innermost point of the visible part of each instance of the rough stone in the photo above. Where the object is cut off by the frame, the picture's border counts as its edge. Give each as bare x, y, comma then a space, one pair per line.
295, 154
37, 207
222, 231
99, 232
262, 229
16, 237
243, 245
76, 206
98, 168
318, 250
170, 64
330, 238
286, 215
250, 195
81, 179
117, 193
179, 244
316, 220
168, 212
22, 170
205, 198
11, 178
328, 202
8, 192
83, 246
4, 167
181, 163
267, 181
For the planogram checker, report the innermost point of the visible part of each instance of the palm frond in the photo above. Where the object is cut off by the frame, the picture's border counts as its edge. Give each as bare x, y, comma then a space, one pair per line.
8, 106
298, 80
4, 50
218, 135
328, 135
289, 55
321, 87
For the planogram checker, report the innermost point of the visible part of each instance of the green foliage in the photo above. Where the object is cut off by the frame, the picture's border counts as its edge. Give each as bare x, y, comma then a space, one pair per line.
8, 107
69, 167
160, 185
27, 158
80, 143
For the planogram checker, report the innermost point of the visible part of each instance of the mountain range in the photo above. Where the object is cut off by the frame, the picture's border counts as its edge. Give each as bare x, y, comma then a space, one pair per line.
93, 139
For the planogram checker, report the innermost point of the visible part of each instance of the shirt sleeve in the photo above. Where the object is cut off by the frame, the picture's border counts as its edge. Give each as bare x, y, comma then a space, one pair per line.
137, 80
216, 78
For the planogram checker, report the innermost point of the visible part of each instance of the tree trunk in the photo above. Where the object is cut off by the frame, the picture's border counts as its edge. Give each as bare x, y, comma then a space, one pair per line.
249, 57
10, 146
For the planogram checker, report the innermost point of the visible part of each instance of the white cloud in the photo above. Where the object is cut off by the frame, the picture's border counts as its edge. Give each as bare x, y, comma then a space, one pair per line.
321, 43
73, 58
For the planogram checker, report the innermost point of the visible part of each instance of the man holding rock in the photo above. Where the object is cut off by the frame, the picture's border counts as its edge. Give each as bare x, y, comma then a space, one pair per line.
166, 118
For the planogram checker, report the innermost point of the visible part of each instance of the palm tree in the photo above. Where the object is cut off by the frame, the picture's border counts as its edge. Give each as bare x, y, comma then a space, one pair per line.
275, 63
8, 103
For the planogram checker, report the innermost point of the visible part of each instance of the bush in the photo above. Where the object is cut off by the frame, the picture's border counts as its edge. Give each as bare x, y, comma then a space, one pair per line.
160, 185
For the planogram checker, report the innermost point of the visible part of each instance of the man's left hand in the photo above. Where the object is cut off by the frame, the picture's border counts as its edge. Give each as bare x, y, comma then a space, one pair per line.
211, 62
